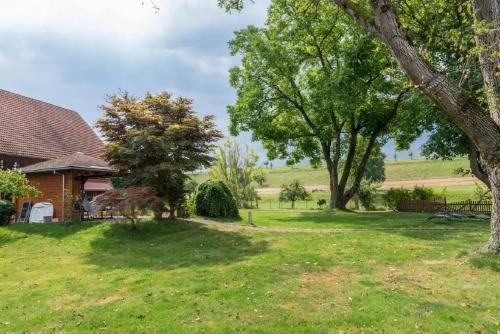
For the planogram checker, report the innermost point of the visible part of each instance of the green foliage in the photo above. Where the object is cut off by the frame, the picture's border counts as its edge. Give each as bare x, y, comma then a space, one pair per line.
118, 182
292, 192
214, 199
395, 195
442, 30
260, 177
367, 194
482, 193
238, 170
190, 186
13, 183
423, 193
313, 85
156, 140
321, 202
375, 168
7, 209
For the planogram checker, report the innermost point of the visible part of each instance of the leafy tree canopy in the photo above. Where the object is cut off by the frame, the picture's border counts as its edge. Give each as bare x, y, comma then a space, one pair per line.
13, 183
313, 85
293, 192
155, 140
237, 168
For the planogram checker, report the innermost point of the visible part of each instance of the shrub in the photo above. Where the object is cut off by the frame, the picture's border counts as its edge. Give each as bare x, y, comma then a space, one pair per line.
394, 195
7, 209
423, 193
129, 202
366, 195
13, 183
321, 202
214, 199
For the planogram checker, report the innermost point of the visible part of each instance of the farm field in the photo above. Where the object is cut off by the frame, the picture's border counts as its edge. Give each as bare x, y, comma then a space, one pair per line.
395, 171
185, 278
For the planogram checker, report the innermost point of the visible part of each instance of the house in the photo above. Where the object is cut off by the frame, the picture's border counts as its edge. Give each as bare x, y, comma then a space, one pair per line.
32, 131
56, 149
62, 181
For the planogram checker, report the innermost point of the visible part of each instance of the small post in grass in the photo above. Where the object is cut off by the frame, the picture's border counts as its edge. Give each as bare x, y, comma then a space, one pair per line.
250, 222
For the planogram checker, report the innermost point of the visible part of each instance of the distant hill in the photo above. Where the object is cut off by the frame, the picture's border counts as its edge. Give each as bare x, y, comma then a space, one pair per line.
395, 171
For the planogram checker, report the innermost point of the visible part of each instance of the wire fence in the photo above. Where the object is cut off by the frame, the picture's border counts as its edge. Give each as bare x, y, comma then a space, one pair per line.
298, 205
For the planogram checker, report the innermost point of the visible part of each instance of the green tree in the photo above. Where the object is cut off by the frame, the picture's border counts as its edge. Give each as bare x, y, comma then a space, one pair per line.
375, 168
214, 199
293, 192
155, 141
305, 92
13, 183
237, 168
396, 28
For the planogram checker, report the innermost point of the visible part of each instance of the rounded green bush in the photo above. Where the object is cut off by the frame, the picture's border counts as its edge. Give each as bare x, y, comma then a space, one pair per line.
214, 199
7, 209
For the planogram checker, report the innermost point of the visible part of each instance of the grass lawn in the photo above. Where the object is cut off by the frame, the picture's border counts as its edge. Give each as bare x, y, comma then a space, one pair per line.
395, 170
185, 278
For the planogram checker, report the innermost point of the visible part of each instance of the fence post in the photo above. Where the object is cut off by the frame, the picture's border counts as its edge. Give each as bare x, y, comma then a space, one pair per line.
470, 206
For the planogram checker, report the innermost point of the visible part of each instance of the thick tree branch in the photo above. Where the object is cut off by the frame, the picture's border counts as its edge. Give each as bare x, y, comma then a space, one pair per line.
475, 166
460, 107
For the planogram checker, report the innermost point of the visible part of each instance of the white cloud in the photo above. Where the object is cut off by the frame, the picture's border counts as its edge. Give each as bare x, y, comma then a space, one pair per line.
128, 23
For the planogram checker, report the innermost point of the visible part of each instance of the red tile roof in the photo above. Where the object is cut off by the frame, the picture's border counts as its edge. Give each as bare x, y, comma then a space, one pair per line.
32, 128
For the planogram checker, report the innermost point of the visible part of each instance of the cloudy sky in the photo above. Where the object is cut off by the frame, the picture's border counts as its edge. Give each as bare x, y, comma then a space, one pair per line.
74, 53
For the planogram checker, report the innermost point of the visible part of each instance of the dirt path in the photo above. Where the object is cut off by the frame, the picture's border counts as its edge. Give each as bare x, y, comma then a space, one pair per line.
240, 227
443, 182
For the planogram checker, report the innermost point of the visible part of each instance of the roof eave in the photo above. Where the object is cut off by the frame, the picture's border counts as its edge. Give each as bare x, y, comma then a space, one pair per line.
65, 168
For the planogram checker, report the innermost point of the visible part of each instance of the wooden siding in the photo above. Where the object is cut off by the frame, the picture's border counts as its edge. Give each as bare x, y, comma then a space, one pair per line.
50, 185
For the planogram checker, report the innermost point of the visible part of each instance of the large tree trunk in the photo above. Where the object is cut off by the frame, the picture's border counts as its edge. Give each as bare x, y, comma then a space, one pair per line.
476, 168
487, 34
494, 243
171, 211
482, 128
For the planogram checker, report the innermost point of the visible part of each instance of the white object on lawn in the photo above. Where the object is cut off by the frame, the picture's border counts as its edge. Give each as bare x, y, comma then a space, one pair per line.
40, 210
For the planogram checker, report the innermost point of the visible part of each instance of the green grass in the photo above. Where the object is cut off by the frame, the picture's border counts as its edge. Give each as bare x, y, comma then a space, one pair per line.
355, 219
395, 171
183, 278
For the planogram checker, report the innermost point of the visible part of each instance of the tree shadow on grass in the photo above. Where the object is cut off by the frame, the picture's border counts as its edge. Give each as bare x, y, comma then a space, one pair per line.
53, 230
486, 261
169, 245
414, 225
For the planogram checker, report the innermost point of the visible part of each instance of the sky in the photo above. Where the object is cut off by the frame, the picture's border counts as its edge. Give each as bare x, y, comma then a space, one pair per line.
74, 53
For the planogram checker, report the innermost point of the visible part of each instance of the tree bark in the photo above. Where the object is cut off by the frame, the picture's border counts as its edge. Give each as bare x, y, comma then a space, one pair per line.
487, 35
459, 106
476, 168
494, 174
158, 211
171, 211
482, 128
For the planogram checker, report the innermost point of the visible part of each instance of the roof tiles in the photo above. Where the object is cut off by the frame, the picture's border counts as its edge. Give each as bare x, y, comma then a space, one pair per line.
32, 128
